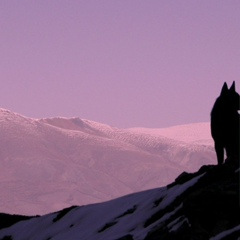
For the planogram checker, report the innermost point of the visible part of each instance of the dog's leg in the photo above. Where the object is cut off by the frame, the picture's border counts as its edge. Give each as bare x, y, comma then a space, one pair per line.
220, 152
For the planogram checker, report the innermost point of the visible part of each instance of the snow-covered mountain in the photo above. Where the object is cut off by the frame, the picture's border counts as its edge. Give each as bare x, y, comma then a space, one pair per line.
202, 205
50, 164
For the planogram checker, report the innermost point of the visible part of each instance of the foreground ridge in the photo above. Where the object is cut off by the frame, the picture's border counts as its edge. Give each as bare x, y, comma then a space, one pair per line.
200, 205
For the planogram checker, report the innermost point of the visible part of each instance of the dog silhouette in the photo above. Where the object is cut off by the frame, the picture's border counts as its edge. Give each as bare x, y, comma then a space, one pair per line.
225, 124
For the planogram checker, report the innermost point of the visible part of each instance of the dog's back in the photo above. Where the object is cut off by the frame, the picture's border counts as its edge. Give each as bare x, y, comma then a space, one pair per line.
219, 122
232, 145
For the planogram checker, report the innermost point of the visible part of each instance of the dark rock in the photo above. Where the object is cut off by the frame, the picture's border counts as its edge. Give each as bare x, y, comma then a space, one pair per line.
62, 213
6, 220
127, 237
211, 206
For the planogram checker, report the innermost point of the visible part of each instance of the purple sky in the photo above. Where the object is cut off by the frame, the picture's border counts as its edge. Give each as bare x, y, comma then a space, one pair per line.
126, 63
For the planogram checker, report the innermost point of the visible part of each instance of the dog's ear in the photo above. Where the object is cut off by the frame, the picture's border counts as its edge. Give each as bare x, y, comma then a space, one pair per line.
232, 88
224, 90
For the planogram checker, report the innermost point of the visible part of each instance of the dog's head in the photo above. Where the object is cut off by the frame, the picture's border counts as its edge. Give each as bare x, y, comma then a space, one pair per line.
229, 99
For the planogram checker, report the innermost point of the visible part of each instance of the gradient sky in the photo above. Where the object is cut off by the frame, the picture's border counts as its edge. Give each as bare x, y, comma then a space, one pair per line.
126, 63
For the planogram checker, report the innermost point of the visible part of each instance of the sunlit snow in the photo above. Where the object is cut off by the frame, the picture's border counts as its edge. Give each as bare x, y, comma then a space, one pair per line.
50, 164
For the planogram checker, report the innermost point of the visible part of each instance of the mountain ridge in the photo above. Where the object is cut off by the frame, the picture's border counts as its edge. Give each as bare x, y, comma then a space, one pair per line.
80, 161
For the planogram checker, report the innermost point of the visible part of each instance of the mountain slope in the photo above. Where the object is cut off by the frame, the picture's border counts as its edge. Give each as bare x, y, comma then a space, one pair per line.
201, 205
184, 133
50, 164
